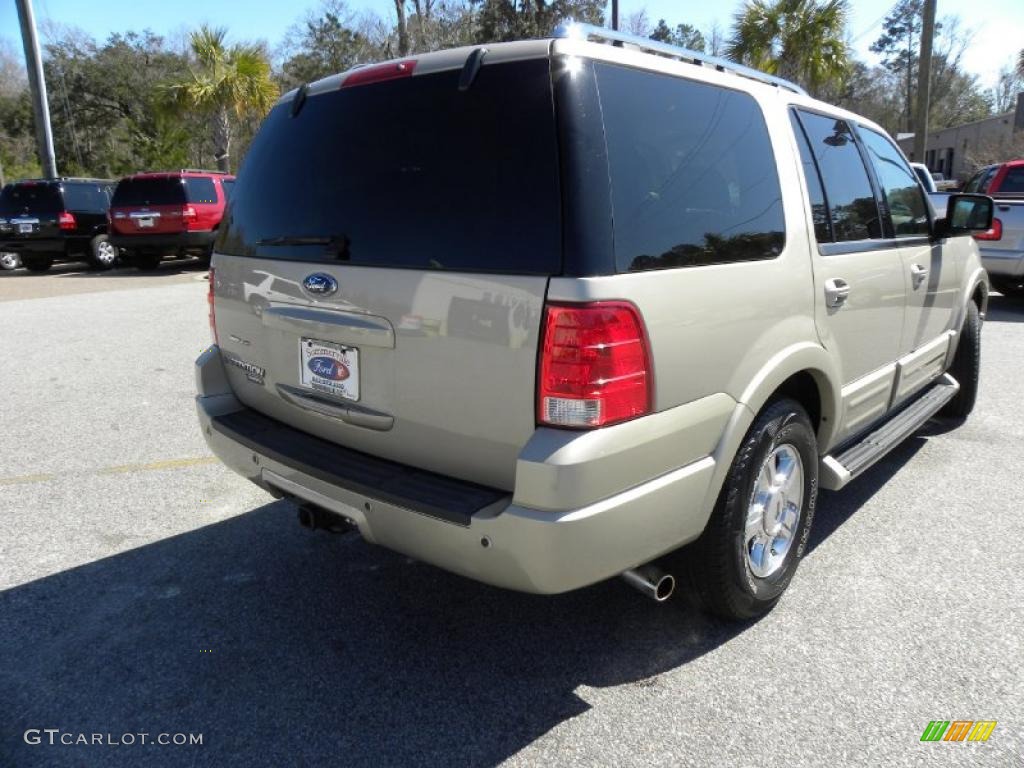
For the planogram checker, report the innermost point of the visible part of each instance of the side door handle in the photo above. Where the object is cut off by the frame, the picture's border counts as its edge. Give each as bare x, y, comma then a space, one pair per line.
918, 273
837, 291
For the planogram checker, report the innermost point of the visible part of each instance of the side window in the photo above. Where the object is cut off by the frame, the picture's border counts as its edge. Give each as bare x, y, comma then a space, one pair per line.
200, 190
974, 182
1013, 181
693, 174
227, 185
819, 206
903, 195
851, 200
84, 197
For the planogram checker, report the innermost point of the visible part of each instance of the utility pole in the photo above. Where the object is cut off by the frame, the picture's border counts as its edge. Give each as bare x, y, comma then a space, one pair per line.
615, 14
924, 72
37, 87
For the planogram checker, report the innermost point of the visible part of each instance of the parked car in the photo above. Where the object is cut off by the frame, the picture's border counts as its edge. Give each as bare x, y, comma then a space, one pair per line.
773, 311
48, 220
1002, 246
154, 215
9, 260
942, 184
925, 176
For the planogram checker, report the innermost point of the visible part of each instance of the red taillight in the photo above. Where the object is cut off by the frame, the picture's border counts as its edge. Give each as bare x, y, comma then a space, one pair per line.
189, 215
995, 233
594, 365
66, 221
213, 314
380, 72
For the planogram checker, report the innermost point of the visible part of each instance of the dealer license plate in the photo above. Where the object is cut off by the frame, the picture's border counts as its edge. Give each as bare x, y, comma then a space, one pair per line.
330, 368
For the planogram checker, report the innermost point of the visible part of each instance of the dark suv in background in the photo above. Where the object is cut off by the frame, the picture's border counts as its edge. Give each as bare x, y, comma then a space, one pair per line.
65, 219
169, 213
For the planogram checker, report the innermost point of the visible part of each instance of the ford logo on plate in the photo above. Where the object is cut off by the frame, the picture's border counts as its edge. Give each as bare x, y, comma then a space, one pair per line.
320, 284
326, 368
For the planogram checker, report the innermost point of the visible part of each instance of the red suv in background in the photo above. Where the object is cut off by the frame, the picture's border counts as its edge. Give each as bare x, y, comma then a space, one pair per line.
168, 213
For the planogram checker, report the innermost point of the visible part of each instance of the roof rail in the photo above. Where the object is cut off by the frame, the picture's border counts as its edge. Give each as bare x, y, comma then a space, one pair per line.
572, 30
202, 170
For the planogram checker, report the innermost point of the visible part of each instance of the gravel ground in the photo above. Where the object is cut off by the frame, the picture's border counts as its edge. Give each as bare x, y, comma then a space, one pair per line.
145, 589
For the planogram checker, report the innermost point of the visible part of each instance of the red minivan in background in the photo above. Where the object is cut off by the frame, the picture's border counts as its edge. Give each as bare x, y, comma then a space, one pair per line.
153, 215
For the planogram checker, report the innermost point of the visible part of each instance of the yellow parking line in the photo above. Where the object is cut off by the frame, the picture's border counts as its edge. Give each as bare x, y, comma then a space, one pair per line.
118, 470
165, 464
25, 479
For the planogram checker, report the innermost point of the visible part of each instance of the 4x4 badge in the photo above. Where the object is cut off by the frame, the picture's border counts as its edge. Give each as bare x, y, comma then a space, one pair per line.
320, 284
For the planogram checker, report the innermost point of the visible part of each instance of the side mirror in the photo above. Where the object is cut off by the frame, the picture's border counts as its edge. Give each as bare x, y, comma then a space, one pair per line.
966, 213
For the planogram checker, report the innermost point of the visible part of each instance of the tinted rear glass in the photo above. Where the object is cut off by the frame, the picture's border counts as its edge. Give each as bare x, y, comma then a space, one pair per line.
408, 173
169, 191
30, 198
200, 190
85, 197
692, 170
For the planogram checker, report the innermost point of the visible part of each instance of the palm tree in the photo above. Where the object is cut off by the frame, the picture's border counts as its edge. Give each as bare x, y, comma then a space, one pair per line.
801, 40
223, 80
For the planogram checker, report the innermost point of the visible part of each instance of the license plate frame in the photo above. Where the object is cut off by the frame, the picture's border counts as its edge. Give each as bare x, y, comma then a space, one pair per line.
145, 222
329, 368
25, 228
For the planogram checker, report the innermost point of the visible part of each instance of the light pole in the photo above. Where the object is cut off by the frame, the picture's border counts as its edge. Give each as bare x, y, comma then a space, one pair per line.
924, 72
37, 87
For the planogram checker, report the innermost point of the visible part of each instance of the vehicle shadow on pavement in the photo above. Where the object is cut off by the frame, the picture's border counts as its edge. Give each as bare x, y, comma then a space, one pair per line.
286, 647
1005, 309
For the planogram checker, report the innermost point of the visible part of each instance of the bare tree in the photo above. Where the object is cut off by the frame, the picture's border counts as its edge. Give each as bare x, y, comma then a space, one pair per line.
638, 23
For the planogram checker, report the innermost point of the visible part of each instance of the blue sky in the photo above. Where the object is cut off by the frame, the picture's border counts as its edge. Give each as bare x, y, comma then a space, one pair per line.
998, 29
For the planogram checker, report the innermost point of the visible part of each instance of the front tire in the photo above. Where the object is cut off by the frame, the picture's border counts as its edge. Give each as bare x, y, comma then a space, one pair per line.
758, 530
102, 253
966, 367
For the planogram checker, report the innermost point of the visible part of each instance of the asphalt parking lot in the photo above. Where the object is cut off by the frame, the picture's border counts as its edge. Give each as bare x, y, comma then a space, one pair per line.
147, 589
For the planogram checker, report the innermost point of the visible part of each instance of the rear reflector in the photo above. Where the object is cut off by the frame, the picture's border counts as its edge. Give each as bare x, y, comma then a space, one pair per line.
65, 220
995, 233
393, 70
594, 366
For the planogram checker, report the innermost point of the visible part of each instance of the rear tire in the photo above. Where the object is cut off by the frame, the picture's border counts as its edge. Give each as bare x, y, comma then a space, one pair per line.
37, 263
102, 254
966, 367
9, 261
758, 530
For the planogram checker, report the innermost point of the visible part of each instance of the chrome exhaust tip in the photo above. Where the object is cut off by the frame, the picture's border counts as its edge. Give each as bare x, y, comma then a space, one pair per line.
651, 581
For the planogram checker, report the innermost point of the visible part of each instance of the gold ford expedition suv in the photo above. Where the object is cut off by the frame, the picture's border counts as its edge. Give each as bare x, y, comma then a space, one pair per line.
547, 312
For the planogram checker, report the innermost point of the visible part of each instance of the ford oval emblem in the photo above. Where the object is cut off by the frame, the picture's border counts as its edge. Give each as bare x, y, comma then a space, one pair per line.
319, 284
327, 368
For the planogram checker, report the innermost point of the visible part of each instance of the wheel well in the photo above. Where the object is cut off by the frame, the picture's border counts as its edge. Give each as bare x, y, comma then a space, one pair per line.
804, 389
978, 297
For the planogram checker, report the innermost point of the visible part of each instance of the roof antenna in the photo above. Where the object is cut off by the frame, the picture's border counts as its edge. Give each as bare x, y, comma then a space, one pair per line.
471, 68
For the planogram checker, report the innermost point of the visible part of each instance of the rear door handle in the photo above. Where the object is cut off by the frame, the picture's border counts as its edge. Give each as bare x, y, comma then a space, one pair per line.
837, 291
919, 273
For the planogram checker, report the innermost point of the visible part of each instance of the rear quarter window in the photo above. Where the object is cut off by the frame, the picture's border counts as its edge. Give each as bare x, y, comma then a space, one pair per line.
1013, 182
85, 197
692, 170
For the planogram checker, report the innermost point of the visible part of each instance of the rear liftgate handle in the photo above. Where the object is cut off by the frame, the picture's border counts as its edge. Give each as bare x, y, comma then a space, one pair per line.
837, 291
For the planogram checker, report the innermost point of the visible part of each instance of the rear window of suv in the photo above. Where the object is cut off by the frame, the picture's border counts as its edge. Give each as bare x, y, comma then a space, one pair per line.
408, 173
149, 191
30, 198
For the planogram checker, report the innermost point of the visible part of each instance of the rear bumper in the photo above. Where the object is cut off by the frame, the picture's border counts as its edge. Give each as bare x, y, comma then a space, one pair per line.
503, 542
169, 241
1002, 263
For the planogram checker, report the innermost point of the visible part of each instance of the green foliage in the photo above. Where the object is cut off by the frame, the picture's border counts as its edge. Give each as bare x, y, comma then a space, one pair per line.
501, 20
683, 35
800, 40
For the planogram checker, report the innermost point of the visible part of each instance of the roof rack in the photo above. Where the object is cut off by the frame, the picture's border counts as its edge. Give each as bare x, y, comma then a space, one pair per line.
572, 30
202, 170
63, 178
